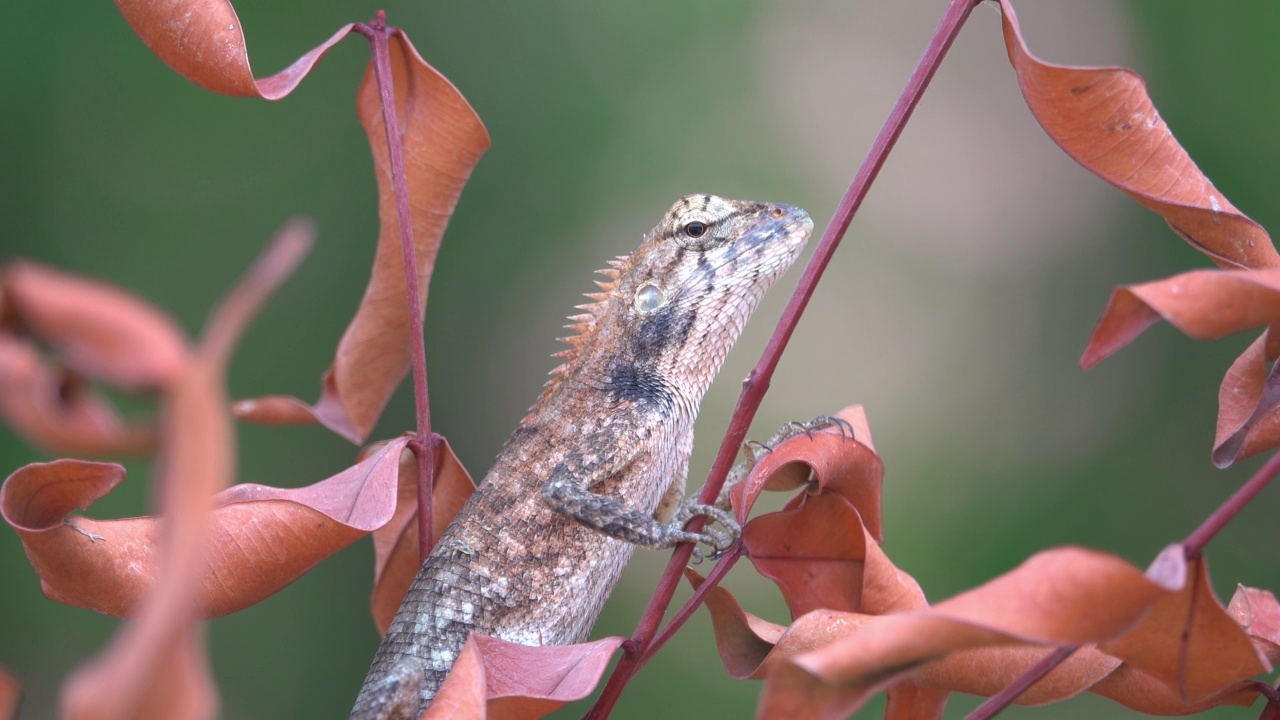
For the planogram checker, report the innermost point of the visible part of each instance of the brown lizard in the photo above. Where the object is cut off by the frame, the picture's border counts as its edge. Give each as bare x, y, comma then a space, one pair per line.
598, 465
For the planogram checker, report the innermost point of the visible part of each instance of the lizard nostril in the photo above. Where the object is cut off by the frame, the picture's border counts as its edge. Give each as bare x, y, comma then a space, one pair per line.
776, 212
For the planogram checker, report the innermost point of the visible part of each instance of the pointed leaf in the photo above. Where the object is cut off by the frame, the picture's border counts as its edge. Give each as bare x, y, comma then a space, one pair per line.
1248, 406
156, 665
1187, 640
260, 538
1205, 304
98, 330
1103, 118
443, 140
1065, 596
57, 411
203, 41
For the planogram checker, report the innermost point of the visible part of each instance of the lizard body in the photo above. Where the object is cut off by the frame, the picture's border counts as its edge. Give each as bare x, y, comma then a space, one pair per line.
598, 465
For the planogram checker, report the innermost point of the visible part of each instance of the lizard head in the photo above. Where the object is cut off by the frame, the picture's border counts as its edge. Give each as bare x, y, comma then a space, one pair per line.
668, 314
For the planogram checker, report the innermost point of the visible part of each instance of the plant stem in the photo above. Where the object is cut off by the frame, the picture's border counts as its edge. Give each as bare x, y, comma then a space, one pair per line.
1194, 543
424, 443
757, 382
1192, 549
1010, 692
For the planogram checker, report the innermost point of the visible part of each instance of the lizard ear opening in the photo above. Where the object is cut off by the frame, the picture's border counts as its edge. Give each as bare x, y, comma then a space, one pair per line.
649, 298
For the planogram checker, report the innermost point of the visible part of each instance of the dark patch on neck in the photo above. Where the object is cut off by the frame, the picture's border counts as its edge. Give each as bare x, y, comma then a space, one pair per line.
657, 334
628, 382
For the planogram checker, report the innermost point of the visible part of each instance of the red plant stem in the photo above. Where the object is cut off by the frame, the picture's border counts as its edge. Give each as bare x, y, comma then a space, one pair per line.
1192, 548
1194, 544
757, 382
423, 445
1002, 699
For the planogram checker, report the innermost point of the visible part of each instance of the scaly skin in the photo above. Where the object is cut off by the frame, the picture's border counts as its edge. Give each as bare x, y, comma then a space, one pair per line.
598, 466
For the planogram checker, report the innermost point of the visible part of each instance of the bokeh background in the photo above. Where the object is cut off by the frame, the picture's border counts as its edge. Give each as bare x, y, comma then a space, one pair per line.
955, 311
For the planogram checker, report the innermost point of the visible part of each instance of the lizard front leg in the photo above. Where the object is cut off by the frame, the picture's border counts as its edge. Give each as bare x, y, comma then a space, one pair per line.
754, 450
568, 492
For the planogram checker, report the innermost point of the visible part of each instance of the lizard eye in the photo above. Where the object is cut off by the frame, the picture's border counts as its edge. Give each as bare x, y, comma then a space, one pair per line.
695, 229
648, 298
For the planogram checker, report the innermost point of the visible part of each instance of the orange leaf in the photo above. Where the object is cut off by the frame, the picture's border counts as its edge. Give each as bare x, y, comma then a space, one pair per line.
519, 682
443, 140
1064, 596
203, 41
1248, 400
838, 464
156, 667
260, 538
395, 543
1257, 612
1103, 118
1205, 304
98, 330
815, 553
1187, 640
815, 548
57, 411
10, 695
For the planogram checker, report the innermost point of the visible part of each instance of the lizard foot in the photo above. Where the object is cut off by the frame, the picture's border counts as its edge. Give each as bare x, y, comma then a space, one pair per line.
719, 540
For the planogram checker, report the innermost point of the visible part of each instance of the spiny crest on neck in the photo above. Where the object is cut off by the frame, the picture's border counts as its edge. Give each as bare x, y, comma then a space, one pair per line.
584, 326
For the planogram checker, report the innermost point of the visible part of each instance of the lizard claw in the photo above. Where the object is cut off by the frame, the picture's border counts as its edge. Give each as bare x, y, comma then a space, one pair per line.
719, 540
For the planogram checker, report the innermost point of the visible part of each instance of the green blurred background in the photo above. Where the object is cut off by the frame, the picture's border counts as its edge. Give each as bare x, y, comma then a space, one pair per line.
955, 311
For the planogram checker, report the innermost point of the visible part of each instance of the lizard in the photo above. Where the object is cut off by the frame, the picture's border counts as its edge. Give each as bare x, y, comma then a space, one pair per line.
598, 466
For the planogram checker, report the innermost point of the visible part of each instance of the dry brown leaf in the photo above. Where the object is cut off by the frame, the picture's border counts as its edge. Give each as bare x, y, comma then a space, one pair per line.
1205, 304
1187, 640
57, 411
443, 140
203, 41
96, 329
495, 678
1065, 596
1249, 404
1209, 304
156, 665
10, 695
815, 548
1103, 118
255, 544
395, 543
1257, 612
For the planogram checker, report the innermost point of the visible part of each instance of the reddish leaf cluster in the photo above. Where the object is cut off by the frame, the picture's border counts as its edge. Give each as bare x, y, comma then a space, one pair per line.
1159, 642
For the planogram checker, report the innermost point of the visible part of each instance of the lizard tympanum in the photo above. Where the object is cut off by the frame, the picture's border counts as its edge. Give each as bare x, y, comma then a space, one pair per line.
598, 465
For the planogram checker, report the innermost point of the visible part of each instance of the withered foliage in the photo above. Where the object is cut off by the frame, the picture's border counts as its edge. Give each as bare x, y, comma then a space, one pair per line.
1157, 641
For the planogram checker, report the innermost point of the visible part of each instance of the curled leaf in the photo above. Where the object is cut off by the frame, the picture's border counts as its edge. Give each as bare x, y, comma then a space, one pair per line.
260, 538
97, 330
1187, 640
496, 678
1248, 405
57, 411
1103, 118
156, 665
10, 695
443, 140
203, 41
815, 548
1205, 304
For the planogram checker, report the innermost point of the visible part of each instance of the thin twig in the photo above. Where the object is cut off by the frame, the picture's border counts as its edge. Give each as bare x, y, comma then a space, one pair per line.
1192, 548
424, 444
757, 382
1022, 683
